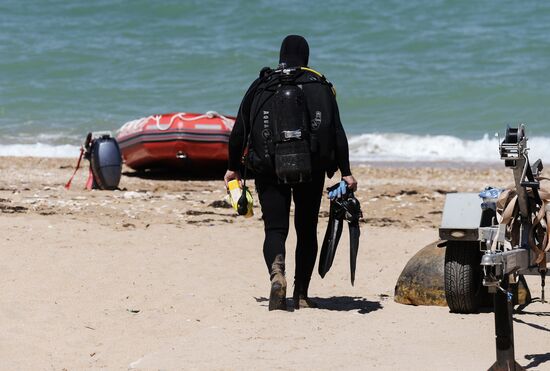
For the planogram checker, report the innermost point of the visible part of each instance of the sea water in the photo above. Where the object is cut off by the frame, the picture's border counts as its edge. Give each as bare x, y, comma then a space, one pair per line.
416, 80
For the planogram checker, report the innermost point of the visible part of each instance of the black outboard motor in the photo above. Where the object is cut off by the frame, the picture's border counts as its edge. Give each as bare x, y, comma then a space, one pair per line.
103, 152
105, 162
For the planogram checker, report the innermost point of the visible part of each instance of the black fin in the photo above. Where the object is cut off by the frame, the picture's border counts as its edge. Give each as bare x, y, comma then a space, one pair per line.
330, 242
354, 233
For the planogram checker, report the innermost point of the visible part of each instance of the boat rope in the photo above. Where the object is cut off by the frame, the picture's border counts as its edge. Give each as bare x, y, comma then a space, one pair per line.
157, 121
227, 122
138, 124
134, 125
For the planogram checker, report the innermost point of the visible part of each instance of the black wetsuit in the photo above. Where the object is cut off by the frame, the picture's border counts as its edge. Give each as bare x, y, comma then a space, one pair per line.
274, 197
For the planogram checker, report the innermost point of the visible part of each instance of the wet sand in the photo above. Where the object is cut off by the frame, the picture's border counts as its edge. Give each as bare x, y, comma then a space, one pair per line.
162, 275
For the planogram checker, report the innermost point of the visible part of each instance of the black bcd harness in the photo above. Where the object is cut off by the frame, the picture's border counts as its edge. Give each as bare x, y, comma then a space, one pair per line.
288, 134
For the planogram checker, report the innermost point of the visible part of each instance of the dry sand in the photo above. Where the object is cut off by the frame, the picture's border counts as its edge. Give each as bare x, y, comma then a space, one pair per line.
159, 276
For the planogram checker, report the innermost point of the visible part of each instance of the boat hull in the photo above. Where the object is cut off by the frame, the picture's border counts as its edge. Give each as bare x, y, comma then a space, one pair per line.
177, 140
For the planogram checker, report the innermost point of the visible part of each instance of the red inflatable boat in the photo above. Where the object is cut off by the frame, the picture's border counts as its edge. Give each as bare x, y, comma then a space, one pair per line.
193, 141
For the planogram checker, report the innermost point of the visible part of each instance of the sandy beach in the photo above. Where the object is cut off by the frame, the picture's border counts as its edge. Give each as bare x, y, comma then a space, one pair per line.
161, 275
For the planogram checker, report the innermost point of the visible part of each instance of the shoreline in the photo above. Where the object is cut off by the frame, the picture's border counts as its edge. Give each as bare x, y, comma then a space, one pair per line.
429, 164
390, 195
380, 163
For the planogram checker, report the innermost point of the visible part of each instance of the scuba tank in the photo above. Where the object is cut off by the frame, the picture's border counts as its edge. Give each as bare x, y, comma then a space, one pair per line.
291, 134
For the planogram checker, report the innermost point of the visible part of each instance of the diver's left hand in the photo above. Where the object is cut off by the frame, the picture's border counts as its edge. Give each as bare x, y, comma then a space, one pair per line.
230, 175
351, 182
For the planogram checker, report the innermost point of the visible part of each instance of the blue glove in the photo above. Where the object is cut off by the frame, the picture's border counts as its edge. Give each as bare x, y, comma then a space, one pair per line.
338, 192
490, 192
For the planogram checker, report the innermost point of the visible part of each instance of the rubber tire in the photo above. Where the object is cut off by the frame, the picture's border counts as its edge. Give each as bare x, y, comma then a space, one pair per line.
463, 276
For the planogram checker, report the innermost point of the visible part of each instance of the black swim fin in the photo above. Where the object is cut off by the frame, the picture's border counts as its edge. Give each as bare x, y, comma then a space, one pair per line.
330, 242
353, 215
346, 208
354, 233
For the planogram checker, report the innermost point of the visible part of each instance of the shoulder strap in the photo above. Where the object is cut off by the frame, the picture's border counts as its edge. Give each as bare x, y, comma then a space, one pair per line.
322, 77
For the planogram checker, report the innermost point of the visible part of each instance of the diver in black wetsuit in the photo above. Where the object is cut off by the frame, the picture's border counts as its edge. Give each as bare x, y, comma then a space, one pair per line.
253, 137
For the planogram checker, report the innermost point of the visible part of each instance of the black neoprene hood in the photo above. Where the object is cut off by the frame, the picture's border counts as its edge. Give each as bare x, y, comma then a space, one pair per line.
294, 51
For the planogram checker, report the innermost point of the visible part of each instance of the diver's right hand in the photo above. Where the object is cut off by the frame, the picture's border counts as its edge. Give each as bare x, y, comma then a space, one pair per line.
347, 183
230, 175
351, 182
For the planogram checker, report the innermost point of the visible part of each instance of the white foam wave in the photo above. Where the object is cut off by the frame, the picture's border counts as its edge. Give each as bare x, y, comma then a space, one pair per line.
45, 138
39, 150
435, 148
383, 147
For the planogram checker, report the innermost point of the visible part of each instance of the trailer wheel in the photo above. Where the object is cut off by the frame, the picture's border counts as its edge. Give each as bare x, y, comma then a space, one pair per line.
463, 276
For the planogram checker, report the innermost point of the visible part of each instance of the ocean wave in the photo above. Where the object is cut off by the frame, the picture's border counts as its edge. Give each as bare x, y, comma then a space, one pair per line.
374, 147
435, 148
39, 150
